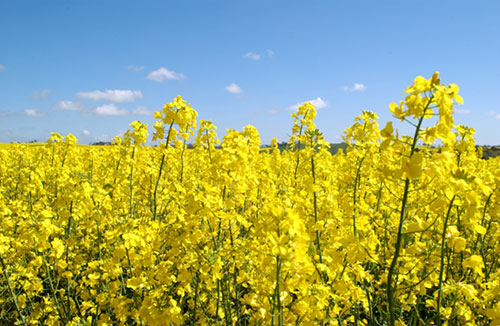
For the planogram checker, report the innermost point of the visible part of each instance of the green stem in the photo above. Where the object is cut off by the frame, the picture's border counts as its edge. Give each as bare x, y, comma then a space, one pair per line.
67, 235
218, 303
11, 290
278, 291
182, 161
235, 275
315, 202
392, 267
298, 150
131, 190
160, 171
208, 146
156, 187
53, 292
196, 285
441, 268
356, 183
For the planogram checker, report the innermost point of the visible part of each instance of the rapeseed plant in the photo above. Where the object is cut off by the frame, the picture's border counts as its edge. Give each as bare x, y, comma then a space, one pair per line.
397, 230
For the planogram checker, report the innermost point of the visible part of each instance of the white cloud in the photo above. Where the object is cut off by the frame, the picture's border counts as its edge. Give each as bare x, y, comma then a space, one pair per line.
234, 89
252, 56
163, 74
134, 68
36, 95
257, 56
358, 87
85, 132
2, 67
462, 111
67, 106
142, 110
104, 138
116, 95
33, 113
109, 109
494, 114
272, 111
317, 102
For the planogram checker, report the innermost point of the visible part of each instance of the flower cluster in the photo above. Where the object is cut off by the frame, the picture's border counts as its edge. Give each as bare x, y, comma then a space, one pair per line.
395, 230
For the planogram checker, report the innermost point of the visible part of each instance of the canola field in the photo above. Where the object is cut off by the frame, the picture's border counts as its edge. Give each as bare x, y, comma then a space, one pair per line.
396, 230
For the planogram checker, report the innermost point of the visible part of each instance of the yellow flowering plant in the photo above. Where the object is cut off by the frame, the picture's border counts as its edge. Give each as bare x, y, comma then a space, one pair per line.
395, 230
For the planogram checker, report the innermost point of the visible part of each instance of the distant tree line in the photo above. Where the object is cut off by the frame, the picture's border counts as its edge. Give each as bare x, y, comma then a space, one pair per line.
101, 143
488, 150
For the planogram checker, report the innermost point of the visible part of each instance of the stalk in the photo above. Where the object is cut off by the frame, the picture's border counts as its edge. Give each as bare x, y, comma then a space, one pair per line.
159, 172
53, 292
11, 290
218, 303
67, 235
481, 238
298, 150
235, 277
217, 245
280, 308
356, 184
182, 161
440, 286
277, 301
208, 146
131, 185
197, 278
315, 198
392, 267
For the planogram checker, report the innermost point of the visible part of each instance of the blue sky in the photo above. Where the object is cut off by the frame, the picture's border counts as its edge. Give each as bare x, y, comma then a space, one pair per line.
92, 67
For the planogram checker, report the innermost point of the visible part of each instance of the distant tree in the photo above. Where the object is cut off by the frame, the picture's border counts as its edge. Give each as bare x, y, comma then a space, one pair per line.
489, 151
101, 143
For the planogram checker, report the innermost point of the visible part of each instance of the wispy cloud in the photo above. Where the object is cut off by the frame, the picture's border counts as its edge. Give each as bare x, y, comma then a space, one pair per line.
116, 95
252, 56
494, 114
317, 102
462, 111
234, 89
163, 74
102, 110
257, 56
109, 110
272, 111
67, 106
36, 95
134, 68
104, 138
2, 67
85, 132
358, 87
142, 110
33, 113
